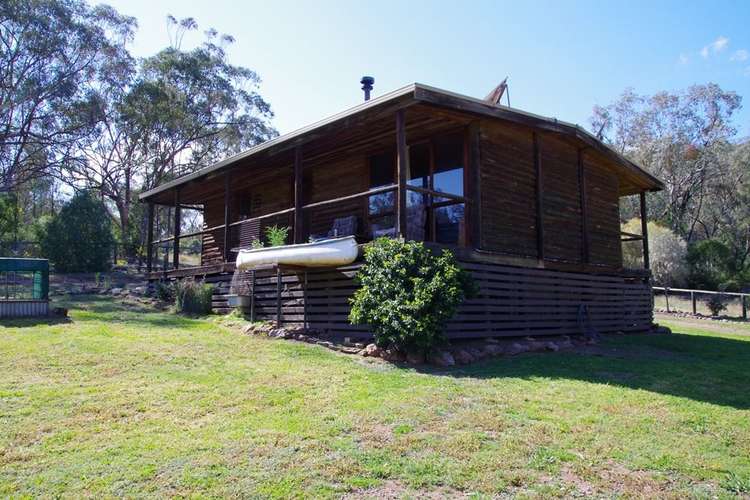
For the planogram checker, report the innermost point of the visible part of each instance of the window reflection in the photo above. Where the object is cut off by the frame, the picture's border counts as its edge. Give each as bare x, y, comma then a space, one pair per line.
449, 224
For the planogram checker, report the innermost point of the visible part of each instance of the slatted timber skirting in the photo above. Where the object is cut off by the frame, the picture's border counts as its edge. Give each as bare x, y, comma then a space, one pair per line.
513, 301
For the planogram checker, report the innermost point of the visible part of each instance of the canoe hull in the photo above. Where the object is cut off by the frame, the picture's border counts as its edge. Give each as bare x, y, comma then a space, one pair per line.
324, 253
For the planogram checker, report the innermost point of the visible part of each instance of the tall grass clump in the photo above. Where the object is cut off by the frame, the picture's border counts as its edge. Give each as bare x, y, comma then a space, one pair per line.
193, 297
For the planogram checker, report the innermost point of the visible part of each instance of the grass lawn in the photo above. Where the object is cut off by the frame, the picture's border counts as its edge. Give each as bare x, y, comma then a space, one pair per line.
128, 401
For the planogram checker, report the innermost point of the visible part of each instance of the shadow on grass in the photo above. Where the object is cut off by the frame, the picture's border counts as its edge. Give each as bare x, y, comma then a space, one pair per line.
102, 308
35, 321
703, 368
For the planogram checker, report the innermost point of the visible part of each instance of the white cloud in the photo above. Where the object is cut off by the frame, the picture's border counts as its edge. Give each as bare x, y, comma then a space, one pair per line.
717, 45
684, 59
740, 55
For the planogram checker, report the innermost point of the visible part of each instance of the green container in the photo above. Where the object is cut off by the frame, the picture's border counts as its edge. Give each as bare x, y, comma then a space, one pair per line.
39, 269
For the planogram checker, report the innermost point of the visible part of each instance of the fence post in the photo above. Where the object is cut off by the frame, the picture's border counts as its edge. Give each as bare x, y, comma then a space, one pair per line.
692, 298
666, 297
744, 307
252, 296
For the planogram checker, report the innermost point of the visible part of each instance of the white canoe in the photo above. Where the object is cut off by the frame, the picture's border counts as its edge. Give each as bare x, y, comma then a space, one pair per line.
323, 253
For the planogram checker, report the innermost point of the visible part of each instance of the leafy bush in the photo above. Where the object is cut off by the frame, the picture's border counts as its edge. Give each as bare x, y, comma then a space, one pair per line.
710, 263
164, 291
193, 297
716, 304
668, 253
276, 235
407, 293
79, 238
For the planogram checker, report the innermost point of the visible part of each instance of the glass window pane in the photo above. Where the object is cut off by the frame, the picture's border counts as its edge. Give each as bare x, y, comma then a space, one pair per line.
380, 204
449, 224
449, 164
416, 216
382, 170
383, 226
419, 166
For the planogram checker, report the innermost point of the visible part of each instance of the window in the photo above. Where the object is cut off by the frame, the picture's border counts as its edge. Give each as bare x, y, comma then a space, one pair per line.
437, 166
381, 208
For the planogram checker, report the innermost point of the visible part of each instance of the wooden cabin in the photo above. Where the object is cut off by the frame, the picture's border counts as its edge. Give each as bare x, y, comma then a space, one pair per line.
530, 205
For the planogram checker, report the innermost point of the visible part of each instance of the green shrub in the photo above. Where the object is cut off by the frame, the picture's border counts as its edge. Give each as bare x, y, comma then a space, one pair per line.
716, 304
710, 263
79, 238
667, 253
164, 291
276, 235
193, 297
407, 294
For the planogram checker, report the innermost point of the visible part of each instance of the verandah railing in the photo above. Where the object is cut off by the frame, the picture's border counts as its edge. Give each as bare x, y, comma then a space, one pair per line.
241, 233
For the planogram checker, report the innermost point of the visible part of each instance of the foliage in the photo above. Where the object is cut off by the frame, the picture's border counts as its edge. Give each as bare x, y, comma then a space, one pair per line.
52, 53
193, 297
667, 253
79, 238
408, 293
164, 291
716, 303
682, 138
276, 235
710, 263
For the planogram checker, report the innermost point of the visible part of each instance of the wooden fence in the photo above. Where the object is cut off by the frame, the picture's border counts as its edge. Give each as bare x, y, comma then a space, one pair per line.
694, 297
513, 301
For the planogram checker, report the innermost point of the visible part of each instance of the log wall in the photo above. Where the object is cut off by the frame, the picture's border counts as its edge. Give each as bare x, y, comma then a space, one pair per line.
509, 200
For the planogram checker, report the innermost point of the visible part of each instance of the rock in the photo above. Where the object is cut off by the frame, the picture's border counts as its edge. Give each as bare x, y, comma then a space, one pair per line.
371, 350
516, 348
414, 358
476, 353
392, 355
491, 340
116, 291
463, 357
442, 358
351, 350
493, 349
551, 346
61, 312
248, 329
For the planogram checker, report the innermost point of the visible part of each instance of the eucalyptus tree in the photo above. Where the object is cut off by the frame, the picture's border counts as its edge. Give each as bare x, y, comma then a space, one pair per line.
50, 52
682, 138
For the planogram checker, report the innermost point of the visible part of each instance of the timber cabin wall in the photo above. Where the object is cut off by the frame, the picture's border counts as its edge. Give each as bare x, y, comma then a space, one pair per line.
508, 173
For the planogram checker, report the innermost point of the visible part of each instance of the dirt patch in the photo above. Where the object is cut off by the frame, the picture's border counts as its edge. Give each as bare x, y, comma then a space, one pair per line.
391, 490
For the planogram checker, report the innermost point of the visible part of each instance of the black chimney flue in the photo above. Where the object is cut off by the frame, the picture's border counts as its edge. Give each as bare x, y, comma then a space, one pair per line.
367, 82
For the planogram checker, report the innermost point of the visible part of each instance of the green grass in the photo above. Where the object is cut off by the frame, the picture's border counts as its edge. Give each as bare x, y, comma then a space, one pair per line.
125, 401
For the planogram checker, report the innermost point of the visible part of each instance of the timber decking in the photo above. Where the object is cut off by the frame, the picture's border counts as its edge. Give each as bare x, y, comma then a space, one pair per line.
513, 301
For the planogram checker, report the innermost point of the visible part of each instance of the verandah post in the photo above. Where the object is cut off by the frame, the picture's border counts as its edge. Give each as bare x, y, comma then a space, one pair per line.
539, 199
227, 217
584, 208
149, 237
177, 224
401, 165
644, 231
474, 207
298, 219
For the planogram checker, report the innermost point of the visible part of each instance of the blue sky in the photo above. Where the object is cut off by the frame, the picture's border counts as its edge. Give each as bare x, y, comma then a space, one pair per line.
561, 57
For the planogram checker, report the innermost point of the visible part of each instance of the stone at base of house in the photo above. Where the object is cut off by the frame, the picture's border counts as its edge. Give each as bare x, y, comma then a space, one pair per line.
458, 353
